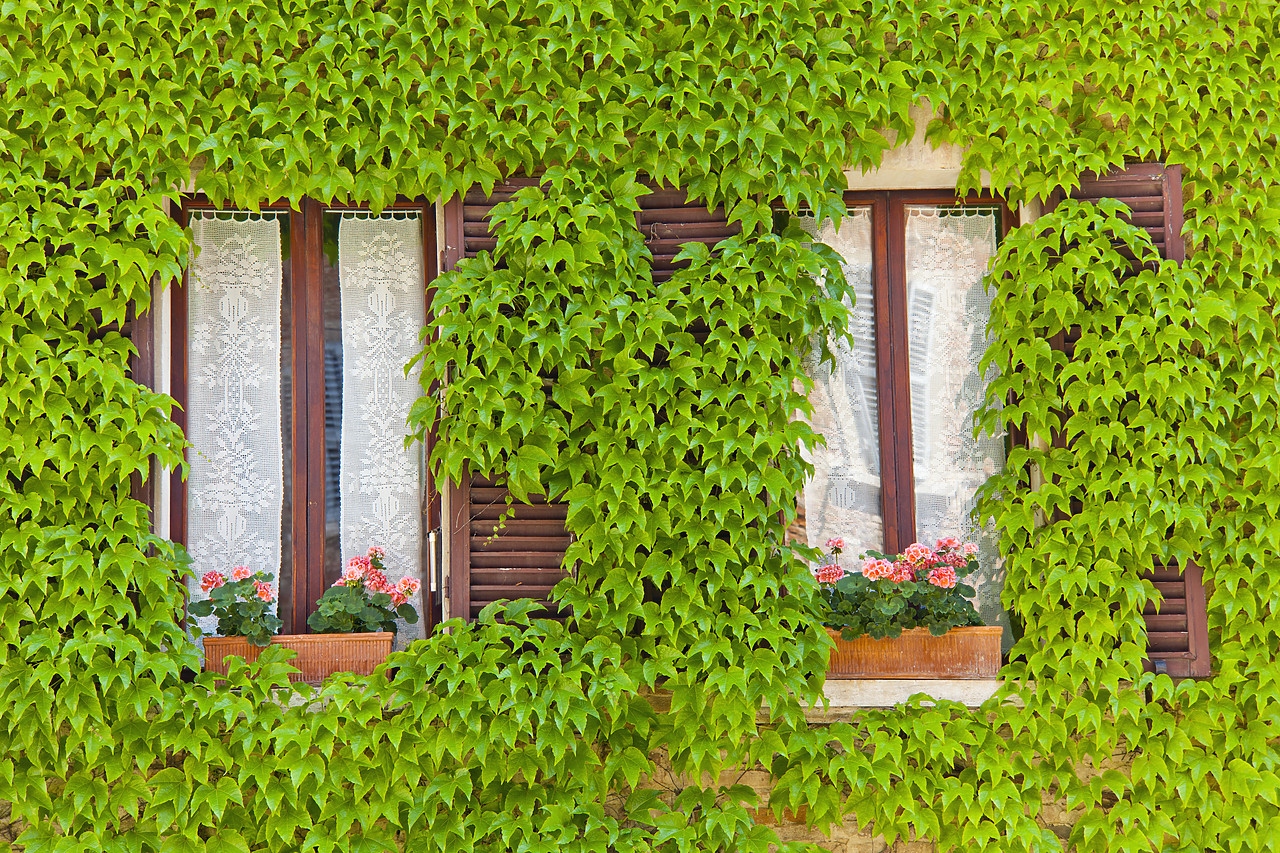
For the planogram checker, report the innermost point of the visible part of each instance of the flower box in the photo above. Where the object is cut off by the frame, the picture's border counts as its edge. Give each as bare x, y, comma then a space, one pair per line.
915, 653
319, 655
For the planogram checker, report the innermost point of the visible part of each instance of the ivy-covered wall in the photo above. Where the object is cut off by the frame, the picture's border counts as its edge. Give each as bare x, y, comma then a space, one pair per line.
525, 736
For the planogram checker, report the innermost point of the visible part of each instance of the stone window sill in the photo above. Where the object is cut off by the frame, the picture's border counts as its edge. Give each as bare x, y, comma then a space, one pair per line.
848, 695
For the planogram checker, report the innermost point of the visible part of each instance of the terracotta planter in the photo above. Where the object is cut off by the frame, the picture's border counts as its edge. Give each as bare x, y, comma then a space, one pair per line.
319, 655
959, 653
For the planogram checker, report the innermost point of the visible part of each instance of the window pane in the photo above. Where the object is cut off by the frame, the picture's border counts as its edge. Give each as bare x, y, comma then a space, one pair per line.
843, 498
235, 489
948, 307
383, 312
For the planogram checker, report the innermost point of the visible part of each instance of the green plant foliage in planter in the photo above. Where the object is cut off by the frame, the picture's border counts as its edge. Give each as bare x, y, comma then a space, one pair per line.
920, 588
363, 601
244, 604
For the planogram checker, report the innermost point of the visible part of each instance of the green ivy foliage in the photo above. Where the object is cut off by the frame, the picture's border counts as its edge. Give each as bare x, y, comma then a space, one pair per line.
674, 450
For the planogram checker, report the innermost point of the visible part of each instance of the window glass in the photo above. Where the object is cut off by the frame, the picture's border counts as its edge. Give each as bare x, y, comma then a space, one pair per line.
236, 355
947, 249
383, 311
243, 418
843, 498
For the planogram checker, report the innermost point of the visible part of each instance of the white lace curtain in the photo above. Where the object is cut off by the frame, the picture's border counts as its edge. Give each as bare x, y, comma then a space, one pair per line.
948, 307
843, 498
383, 313
236, 483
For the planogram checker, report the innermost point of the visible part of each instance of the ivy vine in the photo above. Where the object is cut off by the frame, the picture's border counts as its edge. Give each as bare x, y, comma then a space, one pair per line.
674, 453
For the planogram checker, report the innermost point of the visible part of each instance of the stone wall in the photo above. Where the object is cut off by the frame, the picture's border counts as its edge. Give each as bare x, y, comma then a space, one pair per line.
848, 837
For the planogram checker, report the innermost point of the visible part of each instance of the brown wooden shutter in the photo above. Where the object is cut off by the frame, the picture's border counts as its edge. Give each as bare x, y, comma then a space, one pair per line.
1177, 635
523, 556
502, 551
668, 220
496, 551
141, 369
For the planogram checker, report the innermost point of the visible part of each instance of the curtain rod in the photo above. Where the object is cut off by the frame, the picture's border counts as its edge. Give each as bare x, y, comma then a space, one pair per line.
368, 214
238, 215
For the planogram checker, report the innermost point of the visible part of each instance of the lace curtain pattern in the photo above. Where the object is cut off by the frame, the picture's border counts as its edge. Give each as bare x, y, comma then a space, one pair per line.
843, 498
948, 307
383, 312
236, 483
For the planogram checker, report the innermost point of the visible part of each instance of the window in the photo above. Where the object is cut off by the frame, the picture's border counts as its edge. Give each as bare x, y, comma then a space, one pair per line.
900, 462
290, 334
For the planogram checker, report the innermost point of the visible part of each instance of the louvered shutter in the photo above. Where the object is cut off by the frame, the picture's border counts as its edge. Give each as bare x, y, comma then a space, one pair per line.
512, 551
668, 220
1177, 635
500, 550
496, 551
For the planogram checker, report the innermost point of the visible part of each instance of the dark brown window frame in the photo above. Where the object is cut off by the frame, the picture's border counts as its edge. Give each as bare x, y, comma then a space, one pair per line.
306, 240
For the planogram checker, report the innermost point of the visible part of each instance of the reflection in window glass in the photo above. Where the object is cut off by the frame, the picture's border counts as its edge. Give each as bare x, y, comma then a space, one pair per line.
948, 308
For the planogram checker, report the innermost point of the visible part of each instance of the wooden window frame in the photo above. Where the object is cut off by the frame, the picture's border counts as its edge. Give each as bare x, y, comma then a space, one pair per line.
307, 459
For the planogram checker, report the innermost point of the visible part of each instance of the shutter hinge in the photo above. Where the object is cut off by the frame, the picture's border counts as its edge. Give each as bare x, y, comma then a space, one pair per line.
448, 588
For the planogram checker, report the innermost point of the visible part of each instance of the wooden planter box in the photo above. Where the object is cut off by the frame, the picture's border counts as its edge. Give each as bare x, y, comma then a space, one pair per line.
319, 655
959, 653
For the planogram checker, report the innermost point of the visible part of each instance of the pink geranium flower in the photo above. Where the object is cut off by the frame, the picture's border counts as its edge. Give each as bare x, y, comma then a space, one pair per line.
917, 553
264, 591
357, 568
943, 576
376, 581
212, 580
829, 573
970, 549
876, 569
240, 573
948, 542
903, 572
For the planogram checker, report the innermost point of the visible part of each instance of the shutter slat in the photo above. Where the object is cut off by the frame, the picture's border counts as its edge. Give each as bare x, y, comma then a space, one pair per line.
549, 527
1092, 189
555, 544
490, 577
1169, 642
516, 560
496, 494
518, 511
1166, 607
1166, 622
545, 612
